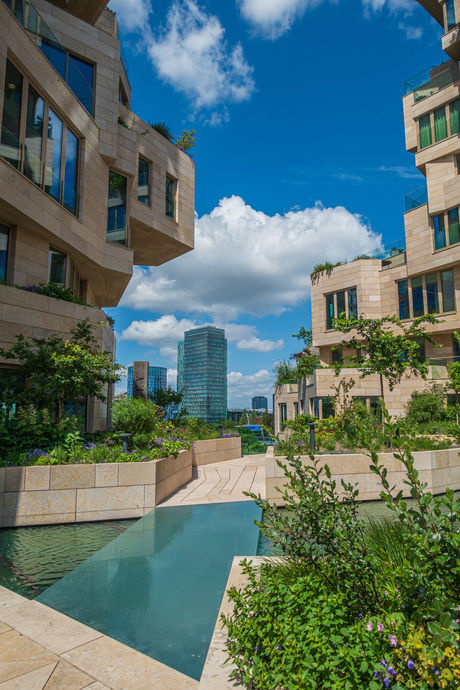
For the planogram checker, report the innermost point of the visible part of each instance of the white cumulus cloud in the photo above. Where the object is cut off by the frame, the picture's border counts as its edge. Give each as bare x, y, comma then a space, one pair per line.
246, 261
132, 15
242, 387
273, 18
258, 345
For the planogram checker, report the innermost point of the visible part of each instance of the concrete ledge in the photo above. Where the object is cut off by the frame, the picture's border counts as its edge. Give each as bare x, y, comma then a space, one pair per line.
440, 469
86, 493
216, 450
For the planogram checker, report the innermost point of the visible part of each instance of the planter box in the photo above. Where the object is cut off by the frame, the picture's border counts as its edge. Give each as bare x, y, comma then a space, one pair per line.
85, 493
216, 450
440, 469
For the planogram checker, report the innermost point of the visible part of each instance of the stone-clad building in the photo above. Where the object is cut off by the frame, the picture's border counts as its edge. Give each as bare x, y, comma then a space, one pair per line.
87, 189
421, 273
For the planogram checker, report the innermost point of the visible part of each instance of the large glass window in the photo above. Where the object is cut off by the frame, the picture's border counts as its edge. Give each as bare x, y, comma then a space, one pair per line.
170, 209
143, 181
454, 109
417, 296
440, 124
116, 221
34, 137
403, 300
80, 78
352, 303
450, 15
432, 300
4, 236
340, 302
53, 156
454, 233
336, 354
439, 231
425, 131
71, 172
328, 408
448, 290
57, 267
10, 146
329, 311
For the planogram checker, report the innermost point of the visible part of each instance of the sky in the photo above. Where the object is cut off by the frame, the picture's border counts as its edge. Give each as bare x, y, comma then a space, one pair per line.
300, 158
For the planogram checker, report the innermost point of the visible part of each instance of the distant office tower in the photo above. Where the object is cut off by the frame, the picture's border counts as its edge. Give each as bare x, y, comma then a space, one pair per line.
144, 380
202, 373
259, 402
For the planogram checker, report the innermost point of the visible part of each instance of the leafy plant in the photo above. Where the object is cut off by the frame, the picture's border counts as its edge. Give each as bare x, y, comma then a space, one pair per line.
186, 141
163, 129
135, 416
425, 406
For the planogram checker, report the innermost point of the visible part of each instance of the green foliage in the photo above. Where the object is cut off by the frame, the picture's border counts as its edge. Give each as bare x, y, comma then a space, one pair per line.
163, 129
253, 417
164, 398
326, 266
250, 445
135, 416
186, 141
265, 418
244, 418
52, 370
425, 406
285, 373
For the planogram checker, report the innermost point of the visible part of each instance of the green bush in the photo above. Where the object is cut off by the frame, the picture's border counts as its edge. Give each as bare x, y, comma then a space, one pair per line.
135, 416
425, 407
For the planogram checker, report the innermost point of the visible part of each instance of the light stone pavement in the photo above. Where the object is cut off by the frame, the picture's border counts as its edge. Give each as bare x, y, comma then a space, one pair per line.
41, 649
222, 482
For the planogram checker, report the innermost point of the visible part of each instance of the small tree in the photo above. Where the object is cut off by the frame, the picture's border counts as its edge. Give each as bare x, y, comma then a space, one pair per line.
186, 141
380, 350
52, 370
244, 417
253, 417
265, 418
164, 398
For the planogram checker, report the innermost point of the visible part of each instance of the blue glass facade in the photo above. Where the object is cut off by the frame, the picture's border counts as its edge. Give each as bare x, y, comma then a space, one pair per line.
259, 402
157, 379
202, 373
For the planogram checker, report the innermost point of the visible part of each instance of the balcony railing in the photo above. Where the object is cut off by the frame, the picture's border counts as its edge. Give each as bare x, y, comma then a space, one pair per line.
392, 254
124, 60
416, 198
426, 83
43, 37
26, 162
440, 366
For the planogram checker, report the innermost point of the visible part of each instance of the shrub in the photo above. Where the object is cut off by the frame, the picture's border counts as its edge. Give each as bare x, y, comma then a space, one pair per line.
135, 416
425, 407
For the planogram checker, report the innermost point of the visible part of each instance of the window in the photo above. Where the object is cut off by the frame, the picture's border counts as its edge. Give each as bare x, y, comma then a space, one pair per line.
4, 236
421, 348
454, 235
80, 78
454, 108
51, 161
170, 209
340, 303
283, 413
316, 407
417, 296
76, 282
328, 408
143, 181
336, 354
440, 124
116, 218
425, 131
448, 290
450, 15
57, 267
432, 299
456, 348
403, 300
439, 232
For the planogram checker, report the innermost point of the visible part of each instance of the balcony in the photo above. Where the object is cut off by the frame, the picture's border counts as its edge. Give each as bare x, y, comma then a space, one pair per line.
28, 164
431, 81
440, 366
64, 64
391, 255
416, 198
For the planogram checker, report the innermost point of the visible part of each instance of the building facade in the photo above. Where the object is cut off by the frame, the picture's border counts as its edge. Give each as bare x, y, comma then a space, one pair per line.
87, 189
154, 378
259, 402
418, 275
202, 373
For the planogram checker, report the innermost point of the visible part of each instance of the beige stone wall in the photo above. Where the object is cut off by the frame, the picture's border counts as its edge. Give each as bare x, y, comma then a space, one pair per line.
286, 394
86, 493
438, 468
216, 450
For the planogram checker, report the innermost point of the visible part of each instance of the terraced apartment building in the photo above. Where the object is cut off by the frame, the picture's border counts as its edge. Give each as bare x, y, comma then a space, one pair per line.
419, 274
87, 189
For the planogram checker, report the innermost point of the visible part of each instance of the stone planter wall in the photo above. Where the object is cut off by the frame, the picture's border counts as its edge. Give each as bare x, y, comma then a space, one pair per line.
438, 468
216, 450
85, 493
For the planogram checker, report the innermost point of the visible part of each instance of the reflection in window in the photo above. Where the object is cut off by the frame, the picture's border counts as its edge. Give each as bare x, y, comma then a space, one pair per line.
116, 220
432, 300
328, 408
316, 407
80, 78
34, 137
425, 131
421, 349
4, 235
336, 354
454, 234
71, 173
403, 300
10, 146
352, 303
57, 266
439, 231
447, 290
440, 124
53, 157
143, 181
450, 15
454, 108
329, 311
417, 296
170, 209
340, 303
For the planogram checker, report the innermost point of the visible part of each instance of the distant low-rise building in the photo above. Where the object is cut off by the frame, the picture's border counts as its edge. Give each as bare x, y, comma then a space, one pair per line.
259, 402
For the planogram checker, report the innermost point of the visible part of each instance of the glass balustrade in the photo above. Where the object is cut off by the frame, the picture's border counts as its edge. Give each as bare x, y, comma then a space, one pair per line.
416, 198
426, 83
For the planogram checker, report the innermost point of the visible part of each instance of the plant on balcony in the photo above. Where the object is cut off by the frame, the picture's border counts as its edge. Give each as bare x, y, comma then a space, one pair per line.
163, 129
186, 141
327, 266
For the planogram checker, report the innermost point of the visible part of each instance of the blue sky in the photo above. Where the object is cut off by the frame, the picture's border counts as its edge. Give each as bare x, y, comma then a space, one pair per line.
300, 158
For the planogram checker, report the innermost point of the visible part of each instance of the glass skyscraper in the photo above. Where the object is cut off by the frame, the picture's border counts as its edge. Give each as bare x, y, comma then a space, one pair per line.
202, 373
157, 379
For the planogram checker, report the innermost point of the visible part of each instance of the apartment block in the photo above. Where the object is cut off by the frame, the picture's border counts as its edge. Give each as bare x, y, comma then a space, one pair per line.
202, 373
420, 274
87, 189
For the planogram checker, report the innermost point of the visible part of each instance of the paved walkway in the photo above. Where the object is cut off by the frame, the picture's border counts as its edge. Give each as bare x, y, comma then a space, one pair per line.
222, 482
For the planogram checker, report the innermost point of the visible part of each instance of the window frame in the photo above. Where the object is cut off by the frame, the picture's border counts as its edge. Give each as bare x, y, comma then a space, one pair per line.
446, 231
7, 252
430, 119
172, 217
149, 177
53, 251
334, 295
437, 292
